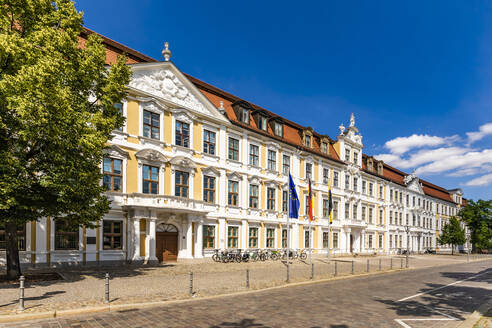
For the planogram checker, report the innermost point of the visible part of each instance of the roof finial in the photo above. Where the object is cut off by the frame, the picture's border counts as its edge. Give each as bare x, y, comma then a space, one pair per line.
352, 119
166, 52
342, 128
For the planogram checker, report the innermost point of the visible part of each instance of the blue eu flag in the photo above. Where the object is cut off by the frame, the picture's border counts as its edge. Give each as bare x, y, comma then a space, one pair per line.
293, 200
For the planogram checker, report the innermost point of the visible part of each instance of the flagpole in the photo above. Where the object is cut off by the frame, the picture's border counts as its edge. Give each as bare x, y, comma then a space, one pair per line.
310, 248
288, 228
329, 237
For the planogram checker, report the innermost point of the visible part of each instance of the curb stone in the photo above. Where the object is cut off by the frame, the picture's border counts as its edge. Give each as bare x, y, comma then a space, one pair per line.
476, 315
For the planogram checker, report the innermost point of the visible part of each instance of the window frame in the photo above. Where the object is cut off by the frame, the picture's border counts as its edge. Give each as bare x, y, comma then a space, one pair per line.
253, 197
111, 235
209, 147
181, 186
233, 152
232, 196
151, 125
66, 235
271, 198
270, 239
148, 180
272, 160
285, 164
208, 193
185, 139
254, 158
21, 238
231, 237
208, 239
113, 175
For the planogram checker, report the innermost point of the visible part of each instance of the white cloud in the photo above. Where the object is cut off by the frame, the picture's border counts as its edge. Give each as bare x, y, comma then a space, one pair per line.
472, 159
403, 144
471, 171
483, 130
421, 157
482, 181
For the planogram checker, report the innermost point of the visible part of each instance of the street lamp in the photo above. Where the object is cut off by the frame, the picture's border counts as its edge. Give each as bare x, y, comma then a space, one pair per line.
419, 235
468, 246
407, 229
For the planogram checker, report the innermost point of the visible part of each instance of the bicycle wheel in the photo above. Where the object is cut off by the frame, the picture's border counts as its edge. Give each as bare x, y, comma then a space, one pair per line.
262, 257
215, 257
274, 257
303, 256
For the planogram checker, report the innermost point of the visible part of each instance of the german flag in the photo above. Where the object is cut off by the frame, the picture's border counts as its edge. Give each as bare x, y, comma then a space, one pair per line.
330, 204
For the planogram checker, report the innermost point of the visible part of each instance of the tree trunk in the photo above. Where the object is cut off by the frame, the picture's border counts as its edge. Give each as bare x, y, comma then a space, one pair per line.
452, 249
13, 263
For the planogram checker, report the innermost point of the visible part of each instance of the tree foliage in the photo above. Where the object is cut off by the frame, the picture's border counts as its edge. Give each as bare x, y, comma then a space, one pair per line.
478, 217
56, 116
452, 233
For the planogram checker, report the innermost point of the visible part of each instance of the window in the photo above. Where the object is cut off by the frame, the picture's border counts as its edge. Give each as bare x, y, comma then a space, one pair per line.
181, 184
391, 241
347, 210
396, 241
254, 155
232, 237
370, 215
325, 208
347, 155
381, 192
151, 123
335, 179
307, 141
347, 181
208, 236
396, 196
408, 200
354, 212
324, 147
401, 198
233, 149
262, 123
284, 238
272, 160
400, 241
309, 170
270, 238
150, 176
325, 240
380, 244
253, 238
380, 216
407, 219
209, 142
285, 196
355, 183
413, 201
119, 106
364, 189
21, 237
335, 239
112, 234
370, 188
391, 217
401, 218
363, 213
232, 196
414, 220
244, 115
253, 196
286, 164
208, 189
277, 129
182, 134
112, 174
370, 241
356, 157
271, 199
335, 209
306, 209
391, 195
325, 175
66, 236
307, 239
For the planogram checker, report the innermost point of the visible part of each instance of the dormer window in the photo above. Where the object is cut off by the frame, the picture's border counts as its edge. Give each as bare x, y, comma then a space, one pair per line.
324, 147
262, 123
347, 155
307, 141
244, 115
277, 129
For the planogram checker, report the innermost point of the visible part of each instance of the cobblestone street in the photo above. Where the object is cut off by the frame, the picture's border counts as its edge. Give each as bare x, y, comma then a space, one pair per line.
436, 296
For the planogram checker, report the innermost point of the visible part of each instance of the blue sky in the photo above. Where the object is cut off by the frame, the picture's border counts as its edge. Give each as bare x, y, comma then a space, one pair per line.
416, 74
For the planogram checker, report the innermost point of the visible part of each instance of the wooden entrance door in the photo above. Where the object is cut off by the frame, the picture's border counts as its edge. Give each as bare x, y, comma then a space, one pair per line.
351, 244
166, 243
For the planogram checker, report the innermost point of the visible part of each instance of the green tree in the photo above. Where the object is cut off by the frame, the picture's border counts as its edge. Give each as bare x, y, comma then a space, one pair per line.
56, 116
452, 233
478, 217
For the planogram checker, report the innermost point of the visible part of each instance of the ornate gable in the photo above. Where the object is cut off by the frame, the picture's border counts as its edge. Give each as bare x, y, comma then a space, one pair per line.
413, 183
164, 81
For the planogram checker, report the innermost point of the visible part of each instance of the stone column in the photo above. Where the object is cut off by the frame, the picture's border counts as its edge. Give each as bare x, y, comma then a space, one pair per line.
151, 237
199, 240
189, 239
135, 238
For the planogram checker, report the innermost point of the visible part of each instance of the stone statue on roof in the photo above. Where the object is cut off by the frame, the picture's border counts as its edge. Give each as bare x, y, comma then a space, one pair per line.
352, 119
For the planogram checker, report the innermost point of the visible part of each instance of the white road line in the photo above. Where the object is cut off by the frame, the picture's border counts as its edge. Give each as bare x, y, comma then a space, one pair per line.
403, 324
451, 284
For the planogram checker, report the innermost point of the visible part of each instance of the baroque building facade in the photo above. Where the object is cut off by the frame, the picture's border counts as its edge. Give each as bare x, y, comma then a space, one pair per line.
195, 168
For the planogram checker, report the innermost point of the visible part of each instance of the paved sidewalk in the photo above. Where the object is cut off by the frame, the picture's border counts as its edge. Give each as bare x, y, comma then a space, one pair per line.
84, 287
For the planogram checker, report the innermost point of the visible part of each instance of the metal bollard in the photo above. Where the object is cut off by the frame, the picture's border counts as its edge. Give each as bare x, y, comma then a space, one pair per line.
352, 266
379, 264
391, 263
106, 294
401, 265
247, 278
367, 265
21, 293
191, 283
288, 269
312, 271
336, 268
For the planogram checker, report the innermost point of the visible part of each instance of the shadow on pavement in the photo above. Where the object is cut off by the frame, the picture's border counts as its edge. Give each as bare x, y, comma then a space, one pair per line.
456, 300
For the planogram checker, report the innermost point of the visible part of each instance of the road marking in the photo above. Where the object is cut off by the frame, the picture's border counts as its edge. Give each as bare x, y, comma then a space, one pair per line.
403, 324
451, 284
